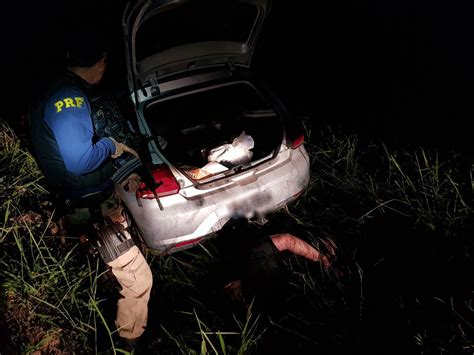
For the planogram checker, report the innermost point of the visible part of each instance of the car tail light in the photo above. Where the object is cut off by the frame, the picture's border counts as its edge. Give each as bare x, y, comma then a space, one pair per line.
166, 181
295, 143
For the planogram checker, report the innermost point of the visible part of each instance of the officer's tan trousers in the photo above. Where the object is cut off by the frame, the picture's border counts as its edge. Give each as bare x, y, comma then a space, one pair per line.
134, 275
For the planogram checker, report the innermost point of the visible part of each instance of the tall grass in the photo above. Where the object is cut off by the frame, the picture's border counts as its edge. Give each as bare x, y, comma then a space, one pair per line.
248, 333
49, 295
20, 178
49, 288
351, 182
429, 191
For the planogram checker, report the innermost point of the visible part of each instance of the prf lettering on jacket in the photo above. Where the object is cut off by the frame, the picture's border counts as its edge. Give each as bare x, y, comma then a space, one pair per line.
68, 102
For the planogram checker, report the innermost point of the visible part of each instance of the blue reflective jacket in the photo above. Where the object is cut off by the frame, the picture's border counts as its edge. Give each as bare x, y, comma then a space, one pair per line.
68, 115
73, 160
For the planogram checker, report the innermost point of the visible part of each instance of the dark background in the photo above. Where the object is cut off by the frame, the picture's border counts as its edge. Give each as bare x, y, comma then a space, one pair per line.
399, 70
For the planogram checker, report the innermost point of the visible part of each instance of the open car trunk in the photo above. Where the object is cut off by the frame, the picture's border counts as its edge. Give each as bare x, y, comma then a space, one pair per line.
216, 132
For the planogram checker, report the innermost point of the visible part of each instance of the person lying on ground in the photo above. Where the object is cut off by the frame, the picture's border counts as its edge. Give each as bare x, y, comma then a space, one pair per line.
265, 265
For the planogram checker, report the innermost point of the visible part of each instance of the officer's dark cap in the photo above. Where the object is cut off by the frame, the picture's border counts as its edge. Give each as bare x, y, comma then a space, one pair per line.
86, 46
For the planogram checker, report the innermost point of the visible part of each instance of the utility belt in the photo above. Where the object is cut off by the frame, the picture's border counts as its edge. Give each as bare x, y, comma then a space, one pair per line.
109, 239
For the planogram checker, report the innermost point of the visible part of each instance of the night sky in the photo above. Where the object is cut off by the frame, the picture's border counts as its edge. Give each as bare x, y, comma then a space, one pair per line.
401, 70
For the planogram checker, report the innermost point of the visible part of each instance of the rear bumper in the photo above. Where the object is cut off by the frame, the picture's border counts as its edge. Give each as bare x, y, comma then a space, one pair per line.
198, 211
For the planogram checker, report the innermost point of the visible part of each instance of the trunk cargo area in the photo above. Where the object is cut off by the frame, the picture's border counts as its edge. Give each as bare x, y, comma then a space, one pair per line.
200, 128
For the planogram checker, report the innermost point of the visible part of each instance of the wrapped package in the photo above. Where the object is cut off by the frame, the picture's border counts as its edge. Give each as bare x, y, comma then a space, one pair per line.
237, 153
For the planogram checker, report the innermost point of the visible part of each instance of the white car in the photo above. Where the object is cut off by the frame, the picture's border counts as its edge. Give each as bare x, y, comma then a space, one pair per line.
220, 145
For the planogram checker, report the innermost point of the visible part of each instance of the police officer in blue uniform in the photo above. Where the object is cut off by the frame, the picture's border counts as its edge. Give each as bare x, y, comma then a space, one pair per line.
77, 165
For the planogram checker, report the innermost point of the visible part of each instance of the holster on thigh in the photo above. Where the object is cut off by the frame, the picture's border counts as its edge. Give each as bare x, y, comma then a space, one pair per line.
112, 241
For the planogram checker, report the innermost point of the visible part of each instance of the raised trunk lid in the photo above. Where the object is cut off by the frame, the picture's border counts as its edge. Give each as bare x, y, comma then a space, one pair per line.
164, 37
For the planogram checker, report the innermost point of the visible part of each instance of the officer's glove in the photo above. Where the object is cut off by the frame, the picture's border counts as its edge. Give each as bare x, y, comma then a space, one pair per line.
120, 148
